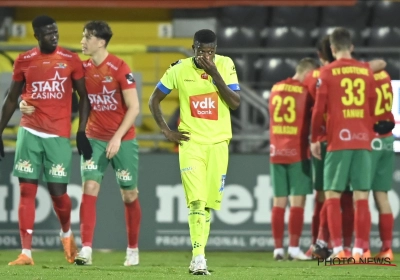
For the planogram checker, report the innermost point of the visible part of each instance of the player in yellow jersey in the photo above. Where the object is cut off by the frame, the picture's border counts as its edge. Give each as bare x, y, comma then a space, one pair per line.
208, 87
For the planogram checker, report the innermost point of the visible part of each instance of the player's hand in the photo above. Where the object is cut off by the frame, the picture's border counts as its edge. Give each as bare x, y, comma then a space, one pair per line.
316, 150
1, 148
207, 65
383, 127
83, 145
25, 108
177, 136
113, 147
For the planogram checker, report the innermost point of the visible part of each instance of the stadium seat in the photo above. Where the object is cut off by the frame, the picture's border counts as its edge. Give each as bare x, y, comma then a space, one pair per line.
238, 37
385, 13
294, 16
289, 37
245, 67
384, 37
353, 16
243, 16
356, 35
275, 69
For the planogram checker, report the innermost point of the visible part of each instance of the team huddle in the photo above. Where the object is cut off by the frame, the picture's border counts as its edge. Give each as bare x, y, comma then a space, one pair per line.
344, 107
46, 77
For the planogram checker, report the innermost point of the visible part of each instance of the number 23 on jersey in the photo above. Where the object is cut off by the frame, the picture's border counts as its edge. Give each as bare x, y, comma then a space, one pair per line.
281, 116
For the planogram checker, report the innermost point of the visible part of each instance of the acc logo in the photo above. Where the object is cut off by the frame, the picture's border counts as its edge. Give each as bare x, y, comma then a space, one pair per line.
346, 135
271, 150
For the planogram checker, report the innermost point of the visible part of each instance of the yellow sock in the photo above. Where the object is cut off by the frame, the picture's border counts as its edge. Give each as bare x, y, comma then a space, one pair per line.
197, 220
207, 226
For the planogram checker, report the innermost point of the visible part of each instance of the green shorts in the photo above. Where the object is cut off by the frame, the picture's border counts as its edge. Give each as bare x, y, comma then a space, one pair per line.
203, 172
344, 166
318, 169
382, 158
124, 163
32, 151
291, 179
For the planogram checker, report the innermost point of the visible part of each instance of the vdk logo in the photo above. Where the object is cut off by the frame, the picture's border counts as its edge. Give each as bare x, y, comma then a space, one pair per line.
204, 106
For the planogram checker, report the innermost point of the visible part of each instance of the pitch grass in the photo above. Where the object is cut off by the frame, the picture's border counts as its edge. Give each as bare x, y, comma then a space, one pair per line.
174, 265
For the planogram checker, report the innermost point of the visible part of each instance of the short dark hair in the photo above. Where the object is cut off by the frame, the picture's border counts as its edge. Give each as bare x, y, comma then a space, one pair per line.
341, 39
306, 64
99, 29
205, 36
41, 21
324, 48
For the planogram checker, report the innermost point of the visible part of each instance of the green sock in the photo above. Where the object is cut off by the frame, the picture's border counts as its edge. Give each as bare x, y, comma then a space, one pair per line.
207, 226
197, 220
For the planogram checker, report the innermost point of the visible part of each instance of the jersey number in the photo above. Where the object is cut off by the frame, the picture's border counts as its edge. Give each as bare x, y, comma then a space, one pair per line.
290, 115
383, 95
355, 91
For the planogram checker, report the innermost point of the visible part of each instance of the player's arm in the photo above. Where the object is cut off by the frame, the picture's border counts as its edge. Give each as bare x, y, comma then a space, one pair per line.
84, 103
317, 119
231, 96
132, 104
377, 65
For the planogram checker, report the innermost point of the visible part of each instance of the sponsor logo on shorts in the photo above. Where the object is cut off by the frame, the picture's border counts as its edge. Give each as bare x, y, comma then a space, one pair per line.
222, 187
24, 166
378, 145
204, 106
89, 165
347, 135
282, 152
57, 170
123, 175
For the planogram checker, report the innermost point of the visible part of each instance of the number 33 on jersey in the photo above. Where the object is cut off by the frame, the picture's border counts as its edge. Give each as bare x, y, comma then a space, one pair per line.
289, 107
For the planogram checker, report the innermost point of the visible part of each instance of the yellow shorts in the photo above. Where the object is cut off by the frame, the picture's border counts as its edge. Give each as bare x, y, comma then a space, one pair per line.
203, 171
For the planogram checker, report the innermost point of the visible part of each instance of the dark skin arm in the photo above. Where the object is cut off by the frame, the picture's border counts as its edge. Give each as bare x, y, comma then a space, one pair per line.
231, 97
84, 103
154, 105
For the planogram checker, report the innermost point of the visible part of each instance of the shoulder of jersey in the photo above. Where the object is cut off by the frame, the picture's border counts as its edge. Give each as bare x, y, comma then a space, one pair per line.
29, 54
178, 62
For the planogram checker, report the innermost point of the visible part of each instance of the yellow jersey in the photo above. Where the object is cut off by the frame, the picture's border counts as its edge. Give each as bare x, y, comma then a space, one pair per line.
203, 112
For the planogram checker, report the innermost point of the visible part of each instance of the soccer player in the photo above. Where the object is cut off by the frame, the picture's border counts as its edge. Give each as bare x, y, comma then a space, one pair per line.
208, 87
46, 75
346, 94
320, 230
115, 106
383, 163
290, 107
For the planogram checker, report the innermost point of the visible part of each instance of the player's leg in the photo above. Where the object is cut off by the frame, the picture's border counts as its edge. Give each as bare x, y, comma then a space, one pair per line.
280, 186
192, 162
381, 184
57, 170
361, 184
346, 203
336, 172
92, 172
300, 182
27, 166
125, 165
318, 185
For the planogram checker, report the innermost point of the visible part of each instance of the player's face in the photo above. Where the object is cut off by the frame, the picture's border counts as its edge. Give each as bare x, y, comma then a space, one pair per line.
48, 37
90, 43
205, 50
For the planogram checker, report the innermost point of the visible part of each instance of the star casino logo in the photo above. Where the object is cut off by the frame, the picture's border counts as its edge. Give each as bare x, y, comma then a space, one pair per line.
104, 101
51, 89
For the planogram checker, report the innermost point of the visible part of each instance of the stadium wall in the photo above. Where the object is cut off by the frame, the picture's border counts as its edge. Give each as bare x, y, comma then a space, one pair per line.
243, 223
